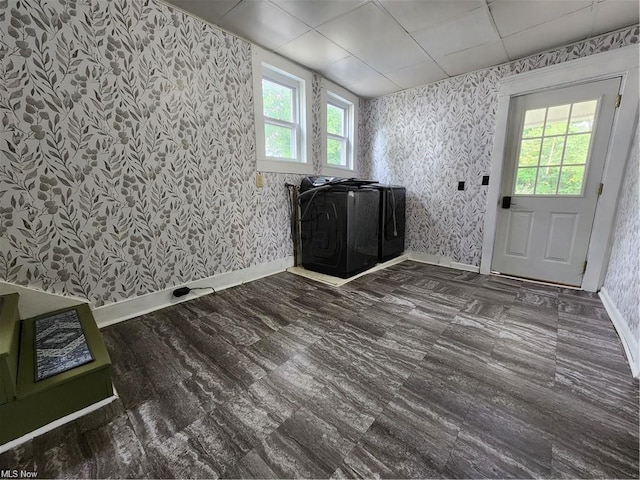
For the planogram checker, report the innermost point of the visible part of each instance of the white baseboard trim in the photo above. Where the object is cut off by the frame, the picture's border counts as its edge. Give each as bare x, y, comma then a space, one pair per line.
630, 344
61, 421
34, 301
134, 307
442, 261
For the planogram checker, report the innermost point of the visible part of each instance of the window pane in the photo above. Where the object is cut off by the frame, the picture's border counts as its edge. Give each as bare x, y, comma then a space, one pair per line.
525, 181
277, 101
552, 151
335, 120
279, 141
582, 116
529, 152
557, 120
577, 149
571, 180
335, 152
533, 123
547, 180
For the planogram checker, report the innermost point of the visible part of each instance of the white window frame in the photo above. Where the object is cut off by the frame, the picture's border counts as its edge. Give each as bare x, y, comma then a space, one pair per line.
279, 70
294, 125
338, 96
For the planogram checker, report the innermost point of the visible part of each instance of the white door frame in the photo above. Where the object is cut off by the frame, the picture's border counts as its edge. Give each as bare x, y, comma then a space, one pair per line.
622, 62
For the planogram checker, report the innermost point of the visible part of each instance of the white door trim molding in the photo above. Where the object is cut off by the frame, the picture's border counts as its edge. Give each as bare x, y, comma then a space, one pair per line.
622, 62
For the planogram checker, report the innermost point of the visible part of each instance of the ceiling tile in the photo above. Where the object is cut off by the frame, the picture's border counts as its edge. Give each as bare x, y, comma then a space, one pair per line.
482, 56
613, 14
469, 30
561, 31
514, 16
313, 50
374, 87
397, 52
418, 14
371, 34
263, 23
205, 9
349, 70
415, 75
313, 12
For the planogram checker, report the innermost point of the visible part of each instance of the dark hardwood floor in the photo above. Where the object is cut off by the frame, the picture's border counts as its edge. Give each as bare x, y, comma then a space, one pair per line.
415, 371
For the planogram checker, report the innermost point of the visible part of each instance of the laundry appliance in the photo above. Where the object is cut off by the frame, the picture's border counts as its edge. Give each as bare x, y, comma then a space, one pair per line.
391, 232
339, 224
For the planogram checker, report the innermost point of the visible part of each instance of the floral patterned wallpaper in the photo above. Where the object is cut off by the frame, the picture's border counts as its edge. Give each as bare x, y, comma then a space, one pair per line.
128, 150
428, 138
623, 278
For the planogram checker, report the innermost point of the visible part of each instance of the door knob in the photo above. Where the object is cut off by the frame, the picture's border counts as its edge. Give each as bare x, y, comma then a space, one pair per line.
506, 202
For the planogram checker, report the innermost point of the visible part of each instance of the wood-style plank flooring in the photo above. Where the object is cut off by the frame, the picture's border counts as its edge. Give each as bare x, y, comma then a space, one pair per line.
415, 371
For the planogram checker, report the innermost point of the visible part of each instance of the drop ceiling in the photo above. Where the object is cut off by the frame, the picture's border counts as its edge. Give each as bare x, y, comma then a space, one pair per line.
377, 47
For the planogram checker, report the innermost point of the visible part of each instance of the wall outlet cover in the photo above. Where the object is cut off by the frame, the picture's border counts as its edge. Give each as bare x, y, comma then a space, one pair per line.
259, 180
460, 185
485, 180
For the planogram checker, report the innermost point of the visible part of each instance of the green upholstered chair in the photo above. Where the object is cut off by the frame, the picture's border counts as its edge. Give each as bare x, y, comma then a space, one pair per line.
27, 404
9, 347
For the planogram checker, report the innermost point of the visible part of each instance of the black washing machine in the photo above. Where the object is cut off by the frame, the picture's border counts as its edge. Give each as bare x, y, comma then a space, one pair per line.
339, 223
392, 221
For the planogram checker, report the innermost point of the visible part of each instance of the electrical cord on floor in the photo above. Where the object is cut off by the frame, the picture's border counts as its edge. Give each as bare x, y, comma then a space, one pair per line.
182, 291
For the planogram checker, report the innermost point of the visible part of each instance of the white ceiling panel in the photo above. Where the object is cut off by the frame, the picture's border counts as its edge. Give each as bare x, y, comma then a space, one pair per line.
374, 87
515, 16
398, 51
263, 23
375, 47
349, 71
420, 74
613, 14
561, 31
314, 13
418, 14
474, 58
371, 34
469, 30
313, 50
356, 29
206, 9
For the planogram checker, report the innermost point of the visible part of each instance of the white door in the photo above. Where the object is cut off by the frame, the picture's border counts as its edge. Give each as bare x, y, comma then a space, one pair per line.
556, 148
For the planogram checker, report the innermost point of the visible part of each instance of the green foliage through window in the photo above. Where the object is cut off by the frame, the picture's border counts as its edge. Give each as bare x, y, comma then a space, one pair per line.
335, 120
278, 103
334, 152
554, 149
337, 137
279, 141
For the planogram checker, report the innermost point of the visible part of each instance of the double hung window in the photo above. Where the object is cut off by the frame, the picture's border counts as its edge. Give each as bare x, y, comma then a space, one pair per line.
339, 130
282, 95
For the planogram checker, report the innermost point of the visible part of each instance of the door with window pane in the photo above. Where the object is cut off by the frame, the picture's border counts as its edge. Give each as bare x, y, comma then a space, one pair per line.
556, 149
